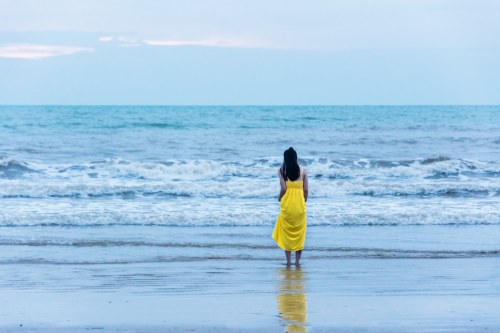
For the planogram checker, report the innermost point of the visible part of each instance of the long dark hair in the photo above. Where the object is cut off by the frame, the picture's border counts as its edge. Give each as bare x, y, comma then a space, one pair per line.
290, 168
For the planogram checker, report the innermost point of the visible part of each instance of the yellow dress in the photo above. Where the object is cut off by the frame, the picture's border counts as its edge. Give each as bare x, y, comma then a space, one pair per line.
290, 229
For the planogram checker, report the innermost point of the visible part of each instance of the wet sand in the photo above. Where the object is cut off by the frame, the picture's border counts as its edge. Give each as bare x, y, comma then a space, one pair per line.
324, 295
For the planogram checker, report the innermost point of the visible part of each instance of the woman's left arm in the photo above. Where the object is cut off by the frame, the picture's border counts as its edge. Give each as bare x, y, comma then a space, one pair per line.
282, 185
306, 185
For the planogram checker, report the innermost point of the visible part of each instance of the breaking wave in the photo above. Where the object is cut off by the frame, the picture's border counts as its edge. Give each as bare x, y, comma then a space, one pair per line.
434, 176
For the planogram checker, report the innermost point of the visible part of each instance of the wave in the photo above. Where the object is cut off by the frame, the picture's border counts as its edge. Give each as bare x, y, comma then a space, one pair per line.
132, 243
192, 170
13, 169
433, 176
44, 261
339, 251
248, 189
217, 217
313, 254
429, 191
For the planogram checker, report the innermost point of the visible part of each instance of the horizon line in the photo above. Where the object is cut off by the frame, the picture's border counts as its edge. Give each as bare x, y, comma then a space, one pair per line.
208, 105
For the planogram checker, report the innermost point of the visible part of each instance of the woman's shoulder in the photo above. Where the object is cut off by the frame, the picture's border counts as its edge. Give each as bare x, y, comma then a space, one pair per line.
303, 173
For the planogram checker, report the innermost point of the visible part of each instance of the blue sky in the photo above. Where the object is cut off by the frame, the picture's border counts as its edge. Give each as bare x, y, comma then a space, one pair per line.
249, 52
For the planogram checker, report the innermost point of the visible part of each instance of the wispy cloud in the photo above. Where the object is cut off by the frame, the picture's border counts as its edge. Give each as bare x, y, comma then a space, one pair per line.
127, 41
207, 43
38, 51
106, 39
121, 40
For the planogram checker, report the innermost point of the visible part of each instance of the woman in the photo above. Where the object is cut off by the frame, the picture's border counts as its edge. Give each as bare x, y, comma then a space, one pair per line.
290, 229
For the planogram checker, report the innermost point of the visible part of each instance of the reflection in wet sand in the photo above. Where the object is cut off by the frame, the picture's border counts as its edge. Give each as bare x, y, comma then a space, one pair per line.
291, 297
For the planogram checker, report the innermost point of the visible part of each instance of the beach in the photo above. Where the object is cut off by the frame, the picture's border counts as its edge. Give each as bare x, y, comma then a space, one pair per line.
205, 286
159, 219
353, 295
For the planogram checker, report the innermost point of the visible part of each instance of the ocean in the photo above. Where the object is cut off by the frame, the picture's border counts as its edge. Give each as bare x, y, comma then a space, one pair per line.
161, 216
131, 184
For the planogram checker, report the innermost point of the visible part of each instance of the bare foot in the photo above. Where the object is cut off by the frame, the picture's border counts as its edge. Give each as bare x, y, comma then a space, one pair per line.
297, 263
288, 264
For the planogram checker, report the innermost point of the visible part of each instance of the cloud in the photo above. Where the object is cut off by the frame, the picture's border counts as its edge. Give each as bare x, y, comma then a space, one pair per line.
38, 51
206, 42
106, 39
121, 40
130, 42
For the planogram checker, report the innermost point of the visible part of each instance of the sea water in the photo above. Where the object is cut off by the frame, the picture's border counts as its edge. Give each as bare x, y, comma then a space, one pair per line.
84, 185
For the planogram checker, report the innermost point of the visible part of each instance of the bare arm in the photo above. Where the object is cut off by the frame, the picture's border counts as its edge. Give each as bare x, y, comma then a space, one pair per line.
282, 185
306, 185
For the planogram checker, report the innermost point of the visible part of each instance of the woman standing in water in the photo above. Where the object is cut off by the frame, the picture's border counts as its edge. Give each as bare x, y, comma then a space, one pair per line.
290, 229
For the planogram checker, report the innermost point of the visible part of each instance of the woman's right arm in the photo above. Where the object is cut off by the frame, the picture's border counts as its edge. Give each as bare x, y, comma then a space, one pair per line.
282, 185
306, 185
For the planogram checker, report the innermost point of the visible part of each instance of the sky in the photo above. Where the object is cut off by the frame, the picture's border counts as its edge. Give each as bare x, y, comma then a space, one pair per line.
249, 52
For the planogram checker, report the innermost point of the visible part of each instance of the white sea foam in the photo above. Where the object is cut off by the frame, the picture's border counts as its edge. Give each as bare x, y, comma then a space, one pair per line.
437, 190
250, 179
249, 212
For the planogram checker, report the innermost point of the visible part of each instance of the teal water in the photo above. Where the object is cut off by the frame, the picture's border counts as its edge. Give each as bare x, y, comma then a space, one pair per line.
229, 133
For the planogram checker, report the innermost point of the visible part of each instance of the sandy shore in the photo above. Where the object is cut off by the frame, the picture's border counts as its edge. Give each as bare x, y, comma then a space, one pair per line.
348, 295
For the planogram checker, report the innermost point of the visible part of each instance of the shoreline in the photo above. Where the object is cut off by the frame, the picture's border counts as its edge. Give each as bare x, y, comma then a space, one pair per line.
350, 295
